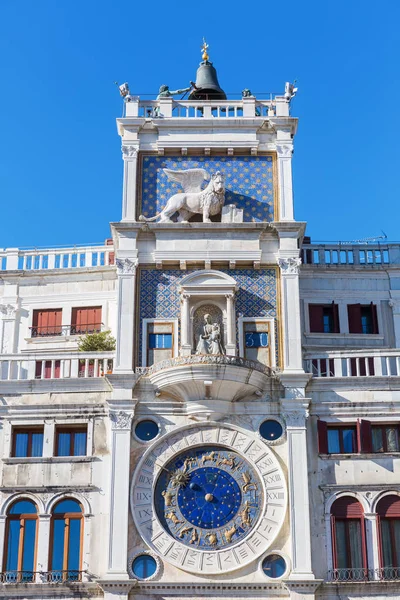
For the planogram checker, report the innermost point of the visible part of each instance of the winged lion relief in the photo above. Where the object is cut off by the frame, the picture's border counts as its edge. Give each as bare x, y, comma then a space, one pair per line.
193, 200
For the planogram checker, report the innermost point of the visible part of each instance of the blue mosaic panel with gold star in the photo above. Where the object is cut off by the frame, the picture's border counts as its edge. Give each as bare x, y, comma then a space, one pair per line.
159, 295
249, 182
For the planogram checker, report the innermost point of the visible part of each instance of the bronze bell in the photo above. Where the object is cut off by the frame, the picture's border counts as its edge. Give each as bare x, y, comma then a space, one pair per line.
207, 86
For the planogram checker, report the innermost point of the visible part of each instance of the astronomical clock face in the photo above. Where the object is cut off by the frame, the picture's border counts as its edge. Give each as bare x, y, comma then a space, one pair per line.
208, 499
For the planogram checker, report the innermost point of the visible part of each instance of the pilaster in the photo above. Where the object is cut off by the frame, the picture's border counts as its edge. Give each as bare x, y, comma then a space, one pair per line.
394, 303
8, 339
43, 537
126, 315
121, 421
292, 355
284, 149
130, 155
295, 413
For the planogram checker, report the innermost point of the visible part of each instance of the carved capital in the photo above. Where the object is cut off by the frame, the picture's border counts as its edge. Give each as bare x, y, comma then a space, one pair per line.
126, 266
289, 266
296, 418
8, 310
284, 150
121, 419
394, 304
130, 151
230, 296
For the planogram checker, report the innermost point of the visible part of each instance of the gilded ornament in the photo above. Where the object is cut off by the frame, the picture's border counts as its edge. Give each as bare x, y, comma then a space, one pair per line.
184, 531
212, 539
229, 533
212, 457
168, 497
229, 462
248, 484
172, 517
245, 515
180, 479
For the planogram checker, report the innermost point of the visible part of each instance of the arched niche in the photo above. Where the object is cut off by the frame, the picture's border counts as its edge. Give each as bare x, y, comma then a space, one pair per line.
208, 288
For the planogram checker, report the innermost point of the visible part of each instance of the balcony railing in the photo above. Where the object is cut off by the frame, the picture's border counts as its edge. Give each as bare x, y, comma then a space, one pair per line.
41, 576
353, 363
371, 255
361, 574
58, 330
65, 365
13, 259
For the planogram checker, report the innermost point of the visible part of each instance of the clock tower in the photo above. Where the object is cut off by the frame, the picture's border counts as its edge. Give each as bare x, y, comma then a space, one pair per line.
209, 483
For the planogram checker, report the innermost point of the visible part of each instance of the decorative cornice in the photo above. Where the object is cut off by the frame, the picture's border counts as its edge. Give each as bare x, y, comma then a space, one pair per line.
289, 266
126, 266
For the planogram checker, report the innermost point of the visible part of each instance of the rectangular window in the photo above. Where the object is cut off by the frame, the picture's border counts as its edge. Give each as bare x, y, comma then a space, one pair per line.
342, 440
363, 318
71, 441
27, 442
324, 318
160, 342
385, 438
86, 320
46, 322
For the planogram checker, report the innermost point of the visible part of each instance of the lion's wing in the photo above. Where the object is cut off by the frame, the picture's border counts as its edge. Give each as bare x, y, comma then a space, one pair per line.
190, 179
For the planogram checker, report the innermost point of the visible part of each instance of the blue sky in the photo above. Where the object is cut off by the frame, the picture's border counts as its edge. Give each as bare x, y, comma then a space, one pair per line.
60, 159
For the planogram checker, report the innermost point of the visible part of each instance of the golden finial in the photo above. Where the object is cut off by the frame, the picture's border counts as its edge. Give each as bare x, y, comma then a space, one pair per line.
204, 49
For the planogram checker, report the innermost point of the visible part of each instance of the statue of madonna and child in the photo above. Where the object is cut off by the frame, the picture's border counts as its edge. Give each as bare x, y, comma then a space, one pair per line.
210, 338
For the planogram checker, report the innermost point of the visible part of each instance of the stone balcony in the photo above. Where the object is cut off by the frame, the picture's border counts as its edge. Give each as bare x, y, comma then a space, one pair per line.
206, 377
353, 363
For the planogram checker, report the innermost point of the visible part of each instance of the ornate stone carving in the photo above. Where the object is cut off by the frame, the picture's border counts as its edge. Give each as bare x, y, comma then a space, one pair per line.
121, 419
130, 151
295, 418
289, 266
394, 304
284, 150
8, 310
193, 200
207, 359
126, 266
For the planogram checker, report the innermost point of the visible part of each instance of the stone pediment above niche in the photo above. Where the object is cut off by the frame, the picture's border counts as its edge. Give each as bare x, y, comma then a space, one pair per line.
208, 282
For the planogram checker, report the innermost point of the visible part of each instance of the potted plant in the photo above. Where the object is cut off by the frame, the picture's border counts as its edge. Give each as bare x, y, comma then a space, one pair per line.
101, 341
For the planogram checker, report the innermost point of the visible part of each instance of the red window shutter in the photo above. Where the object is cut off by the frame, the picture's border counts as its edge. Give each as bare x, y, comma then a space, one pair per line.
335, 313
322, 437
57, 368
389, 506
97, 317
364, 436
354, 314
374, 318
347, 507
38, 369
316, 312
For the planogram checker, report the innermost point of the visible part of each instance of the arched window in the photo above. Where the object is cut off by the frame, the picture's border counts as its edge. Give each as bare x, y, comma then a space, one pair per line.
348, 540
20, 542
388, 510
66, 541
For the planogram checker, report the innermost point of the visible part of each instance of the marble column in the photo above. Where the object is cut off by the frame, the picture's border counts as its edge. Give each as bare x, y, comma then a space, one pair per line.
186, 347
284, 151
43, 537
121, 421
291, 321
230, 325
130, 156
126, 315
372, 542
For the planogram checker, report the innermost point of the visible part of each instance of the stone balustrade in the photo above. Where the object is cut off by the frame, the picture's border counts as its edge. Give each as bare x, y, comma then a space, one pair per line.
370, 255
13, 259
353, 363
52, 365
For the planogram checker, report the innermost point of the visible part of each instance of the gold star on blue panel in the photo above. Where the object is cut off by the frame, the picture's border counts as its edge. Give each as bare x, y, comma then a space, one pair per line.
249, 182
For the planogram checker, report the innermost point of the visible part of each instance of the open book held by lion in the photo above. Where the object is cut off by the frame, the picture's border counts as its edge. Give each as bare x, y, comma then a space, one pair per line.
193, 200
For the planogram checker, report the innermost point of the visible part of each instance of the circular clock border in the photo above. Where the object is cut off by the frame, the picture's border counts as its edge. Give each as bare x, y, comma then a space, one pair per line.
214, 561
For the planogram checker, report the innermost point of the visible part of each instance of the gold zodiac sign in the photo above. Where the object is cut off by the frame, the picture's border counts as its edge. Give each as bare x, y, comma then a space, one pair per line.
229, 533
194, 537
209, 457
168, 497
245, 515
213, 540
248, 484
187, 462
184, 531
229, 462
180, 479
172, 517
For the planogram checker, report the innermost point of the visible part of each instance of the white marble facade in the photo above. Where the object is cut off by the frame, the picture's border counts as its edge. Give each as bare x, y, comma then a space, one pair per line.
160, 286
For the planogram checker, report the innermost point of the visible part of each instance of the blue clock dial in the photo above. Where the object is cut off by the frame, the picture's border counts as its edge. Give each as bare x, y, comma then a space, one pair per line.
208, 498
